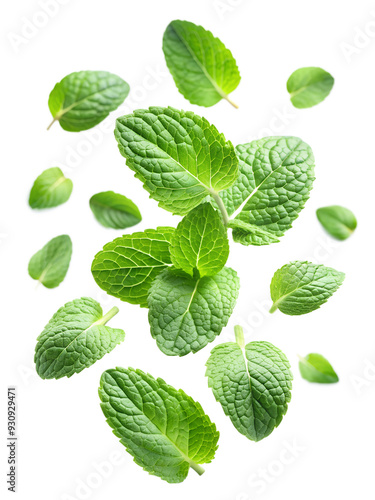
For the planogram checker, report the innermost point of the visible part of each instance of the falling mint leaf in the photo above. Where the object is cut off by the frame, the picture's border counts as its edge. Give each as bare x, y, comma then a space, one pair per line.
302, 287
339, 222
83, 99
275, 179
186, 313
252, 383
309, 86
126, 267
179, 156
50, 265
165, 430
203, 69
316, 368
75, 338
200, 242
114, 210
50, 189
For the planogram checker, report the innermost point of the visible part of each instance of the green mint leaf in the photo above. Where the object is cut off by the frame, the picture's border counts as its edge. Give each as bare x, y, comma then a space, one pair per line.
75, 338
83, 99
50, 264
166, 431
309, 86
275, 179
126, 267
114, 210
179, 156
252, 384
316, 368
247, 234
339, 222
200, 242
203, 69
187, 313
302, 287
50, 189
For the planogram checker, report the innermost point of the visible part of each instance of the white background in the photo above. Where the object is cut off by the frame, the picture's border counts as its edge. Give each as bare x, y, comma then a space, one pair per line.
62, 432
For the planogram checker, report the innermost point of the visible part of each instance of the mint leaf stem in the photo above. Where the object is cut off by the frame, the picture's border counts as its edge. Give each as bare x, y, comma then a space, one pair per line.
238, 332
221, 206
273, 308
108, 316
198, 469
231, 102
52, 122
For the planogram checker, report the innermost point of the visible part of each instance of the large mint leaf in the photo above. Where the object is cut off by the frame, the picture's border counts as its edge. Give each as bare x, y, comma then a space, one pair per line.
75, 338
179, 156
50, 264
187, 313
114, 210
316, 368
339, 222
302, 287
166, 431
203, 69
200, 242
50, 189
83, 99
274, 183
252, 383
309, 86
126, 267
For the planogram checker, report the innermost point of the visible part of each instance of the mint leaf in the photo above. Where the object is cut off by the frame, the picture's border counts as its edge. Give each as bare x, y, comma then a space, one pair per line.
187, 313
339, 222
75, 338
126, 267
302, 287
50, 264
83, 99
252, 383
309, 86
200, 242
316, 368
179, 156
166, 431
274, 183
114, 210
203, 69
50, 189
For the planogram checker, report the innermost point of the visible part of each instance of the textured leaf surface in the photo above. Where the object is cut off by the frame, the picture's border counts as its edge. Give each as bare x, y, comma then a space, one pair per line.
83, 99
301, 287
187, 313
179, 156
339, 222
275, 179
252, 385
203, 69
166, 431
309, 86
50, 189
200, 242
114, 210
75, 338
316, 368
126, 267
50, 264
